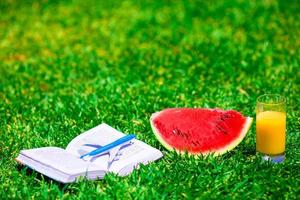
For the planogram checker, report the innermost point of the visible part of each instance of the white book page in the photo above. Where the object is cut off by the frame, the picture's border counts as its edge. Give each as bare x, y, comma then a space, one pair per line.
101, 135
128, 156
60, 159
131, 156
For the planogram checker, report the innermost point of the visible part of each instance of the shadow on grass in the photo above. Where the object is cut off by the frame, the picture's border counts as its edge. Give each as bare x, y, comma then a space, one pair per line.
247, 152
40, 177
63, 187
28, 171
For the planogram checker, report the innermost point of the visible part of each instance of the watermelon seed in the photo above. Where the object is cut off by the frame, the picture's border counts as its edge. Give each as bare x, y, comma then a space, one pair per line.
180, 133
224, 117
221, 129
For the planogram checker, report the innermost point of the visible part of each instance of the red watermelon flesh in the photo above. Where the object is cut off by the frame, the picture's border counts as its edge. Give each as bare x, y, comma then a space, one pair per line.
200, 130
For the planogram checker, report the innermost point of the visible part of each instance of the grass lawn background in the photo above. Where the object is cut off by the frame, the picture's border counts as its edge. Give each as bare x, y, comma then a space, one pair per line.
67, 66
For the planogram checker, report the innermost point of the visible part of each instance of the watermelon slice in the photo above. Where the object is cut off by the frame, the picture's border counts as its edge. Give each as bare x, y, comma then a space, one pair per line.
200, 130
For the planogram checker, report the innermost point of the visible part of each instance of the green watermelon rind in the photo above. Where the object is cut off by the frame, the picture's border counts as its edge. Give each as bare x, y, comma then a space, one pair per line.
217, 152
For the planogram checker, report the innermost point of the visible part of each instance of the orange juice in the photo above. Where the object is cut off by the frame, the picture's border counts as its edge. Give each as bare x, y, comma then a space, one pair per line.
270, 132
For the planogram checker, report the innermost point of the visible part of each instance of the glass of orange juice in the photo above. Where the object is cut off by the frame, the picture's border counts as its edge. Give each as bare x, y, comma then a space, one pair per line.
271, 127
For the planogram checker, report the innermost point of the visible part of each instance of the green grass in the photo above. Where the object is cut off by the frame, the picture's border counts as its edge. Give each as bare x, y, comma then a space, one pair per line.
67, 66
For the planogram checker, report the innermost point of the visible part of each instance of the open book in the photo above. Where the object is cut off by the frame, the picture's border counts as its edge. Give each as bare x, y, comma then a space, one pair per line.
65, 165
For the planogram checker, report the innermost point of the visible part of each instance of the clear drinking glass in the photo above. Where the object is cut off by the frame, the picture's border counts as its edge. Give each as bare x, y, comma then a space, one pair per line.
271, 127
